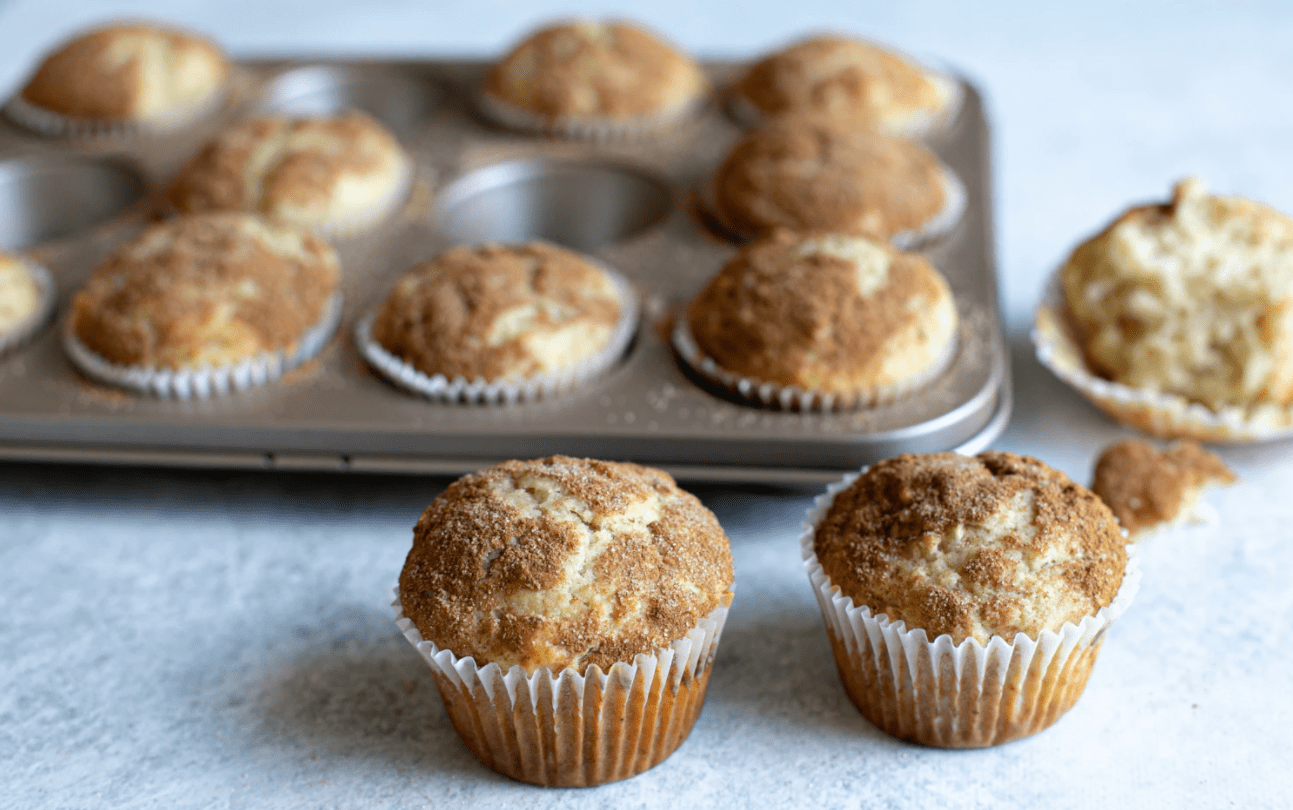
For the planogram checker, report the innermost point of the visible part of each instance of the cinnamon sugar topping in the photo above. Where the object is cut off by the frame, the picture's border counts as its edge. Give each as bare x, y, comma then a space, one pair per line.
1148, 489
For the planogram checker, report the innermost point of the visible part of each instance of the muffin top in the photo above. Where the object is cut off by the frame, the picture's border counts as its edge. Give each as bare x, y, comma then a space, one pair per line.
847, 79
990, 545
133, 72
826, 312
1147, 488
19, 292
563, 562
595, 69
205, 290
498, 312
813, 173
1189, 298
315, 172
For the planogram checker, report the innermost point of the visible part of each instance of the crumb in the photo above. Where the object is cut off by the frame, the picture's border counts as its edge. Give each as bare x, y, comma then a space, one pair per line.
1148, 489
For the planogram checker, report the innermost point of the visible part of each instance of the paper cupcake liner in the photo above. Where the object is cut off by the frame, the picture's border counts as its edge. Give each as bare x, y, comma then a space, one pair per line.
480, 391
918, 125
27, 328
791, 397
205, 382
565, 729
591, 128
56, 125
955, 696
1159, 414
940, 224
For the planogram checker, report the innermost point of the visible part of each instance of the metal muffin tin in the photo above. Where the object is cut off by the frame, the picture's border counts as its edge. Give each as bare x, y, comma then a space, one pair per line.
631, 204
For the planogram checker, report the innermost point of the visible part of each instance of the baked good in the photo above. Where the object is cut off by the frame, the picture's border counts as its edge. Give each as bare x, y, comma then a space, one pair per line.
208, 292
335, 175
815, 173
580, 579
848, 79
971, 566
504, 314
837, 315
593, 79
1149, 489
26, 298
128, 75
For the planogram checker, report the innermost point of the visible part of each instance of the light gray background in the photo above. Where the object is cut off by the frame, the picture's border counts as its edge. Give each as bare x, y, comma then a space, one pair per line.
222, 640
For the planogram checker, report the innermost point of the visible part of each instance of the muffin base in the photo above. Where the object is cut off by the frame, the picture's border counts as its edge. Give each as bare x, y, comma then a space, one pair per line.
27, 328
1163, 415
590, 128
955, 696
208, 381
567, 729
56, 125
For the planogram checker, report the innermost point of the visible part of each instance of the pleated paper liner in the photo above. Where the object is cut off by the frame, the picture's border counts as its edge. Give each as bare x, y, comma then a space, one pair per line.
567, 729
209, 381
26, 328
955, 696
56, 125
480, 391
587, 127
1163, 415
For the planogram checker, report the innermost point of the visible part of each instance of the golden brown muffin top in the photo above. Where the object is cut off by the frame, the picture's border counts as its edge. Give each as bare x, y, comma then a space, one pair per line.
844, 78
311, 171
205, 290
19, 292
1190, 298
994, 544
1147, 488
499, 312
611, 70
811, 173
563, 562
827, 312
132, 72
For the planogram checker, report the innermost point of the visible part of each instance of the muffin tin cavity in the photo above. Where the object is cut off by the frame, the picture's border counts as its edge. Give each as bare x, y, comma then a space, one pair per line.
50, 196
398, 99
580, 205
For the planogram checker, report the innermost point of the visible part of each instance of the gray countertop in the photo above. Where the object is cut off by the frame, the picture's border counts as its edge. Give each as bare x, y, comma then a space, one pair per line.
217, 639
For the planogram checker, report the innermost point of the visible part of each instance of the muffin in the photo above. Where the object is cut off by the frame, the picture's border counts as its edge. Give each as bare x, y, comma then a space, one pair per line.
821, 322
853, 81
26, 300
593, 79
814, 173
1176, 318
204, 304
1148, 489
334, 175
569, 610
123, 78
965, 598
500, 323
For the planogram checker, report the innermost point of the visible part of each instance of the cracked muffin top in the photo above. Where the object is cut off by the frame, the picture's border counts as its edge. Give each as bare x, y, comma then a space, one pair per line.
973, 547
563, 562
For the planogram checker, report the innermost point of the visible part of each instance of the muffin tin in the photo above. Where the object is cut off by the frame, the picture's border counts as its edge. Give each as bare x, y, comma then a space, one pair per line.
632, 205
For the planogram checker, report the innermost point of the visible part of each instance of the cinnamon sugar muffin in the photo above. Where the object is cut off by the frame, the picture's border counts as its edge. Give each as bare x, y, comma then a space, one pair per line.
814, 173
122, 77
841, 318
996, 575
1150, 489
529, 319
590, 79
202, 297
26, 297
850, 80
335, 175
601, 585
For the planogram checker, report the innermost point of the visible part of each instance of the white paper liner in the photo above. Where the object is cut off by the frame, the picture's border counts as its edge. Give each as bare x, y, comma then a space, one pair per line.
940, 224
26, 328
955, 696
56, 125
565, 729
205, 382
792, 397
919, 124
480, 391
1164, 415
579, 127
